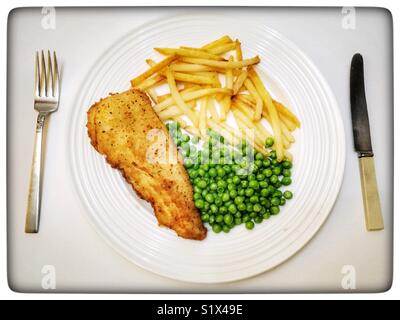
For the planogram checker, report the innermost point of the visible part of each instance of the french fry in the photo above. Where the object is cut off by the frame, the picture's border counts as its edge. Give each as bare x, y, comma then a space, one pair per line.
189, 67
215, 43
172, 111
226, 103
152, 94
152, 70
223, 64
191, 53
247, 107
244, 123
203, 116
273, 113
187, 96
287, 113
213, 111
239, 81
164, 97
151, 82
258, 101
222, 49
238, 49
185, 77
289, 121
176, 96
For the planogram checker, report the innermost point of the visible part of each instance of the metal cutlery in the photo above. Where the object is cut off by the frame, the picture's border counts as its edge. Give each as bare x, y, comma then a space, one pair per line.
363, 145
46, 99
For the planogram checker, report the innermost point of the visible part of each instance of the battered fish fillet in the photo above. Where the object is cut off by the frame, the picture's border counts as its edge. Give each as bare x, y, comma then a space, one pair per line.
118, 128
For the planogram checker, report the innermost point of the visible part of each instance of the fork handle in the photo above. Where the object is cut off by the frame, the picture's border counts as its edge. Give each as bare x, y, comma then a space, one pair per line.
34, 197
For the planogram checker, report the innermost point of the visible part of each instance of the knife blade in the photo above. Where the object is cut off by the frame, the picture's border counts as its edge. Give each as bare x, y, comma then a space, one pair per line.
359, 111
363, 146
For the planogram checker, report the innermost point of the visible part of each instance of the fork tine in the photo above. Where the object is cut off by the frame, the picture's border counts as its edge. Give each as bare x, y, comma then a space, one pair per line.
42, 76
56, 79
49, 76
37, 75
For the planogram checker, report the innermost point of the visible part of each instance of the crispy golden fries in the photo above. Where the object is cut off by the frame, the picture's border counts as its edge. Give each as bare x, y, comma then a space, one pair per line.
191, 53
210, 83
176, 96
154, 69
275, 121
196, 94
238, 49
223, 64
218, 42
258, 101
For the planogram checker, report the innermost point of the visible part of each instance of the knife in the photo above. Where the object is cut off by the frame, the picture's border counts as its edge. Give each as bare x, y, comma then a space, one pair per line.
363, 145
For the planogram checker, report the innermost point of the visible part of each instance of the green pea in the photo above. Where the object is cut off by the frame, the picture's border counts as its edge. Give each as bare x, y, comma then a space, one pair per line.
286, 172
238, 215
254, 199
287, 164
275, 201
249, 225
269, 142
221, 184
288, 195
226, 229
257, 207
273, 154
283, 201
209, 198
263, 184
245, 218
228, 219
236, 180
238, 221
266, 163
273, 179
216, 228
241, 192
222, 210
249, 207
267, 172
266, 215
258, 219
264, 192
254, 184
201, 172
225, 197
213, 186
213, 208
220, 172
276, 171
244, 183
277, 193
259, 156
232, 208
211, 220
212, 172
286, 181
253, 214
260, 177
219, 218
202, 184
274, 210
241, 207
205, 217
249, 192
232, 193
199, 204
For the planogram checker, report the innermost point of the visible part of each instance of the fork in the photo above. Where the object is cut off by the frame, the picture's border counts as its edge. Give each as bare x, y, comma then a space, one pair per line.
46, 98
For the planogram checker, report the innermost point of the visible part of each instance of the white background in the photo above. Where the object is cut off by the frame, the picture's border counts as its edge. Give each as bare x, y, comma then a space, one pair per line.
4, 288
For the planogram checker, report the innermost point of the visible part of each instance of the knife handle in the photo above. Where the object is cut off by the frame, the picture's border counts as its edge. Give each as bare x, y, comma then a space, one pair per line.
372, 206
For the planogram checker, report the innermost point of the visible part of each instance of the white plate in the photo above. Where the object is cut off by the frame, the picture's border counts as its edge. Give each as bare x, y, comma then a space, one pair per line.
128, 223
